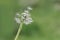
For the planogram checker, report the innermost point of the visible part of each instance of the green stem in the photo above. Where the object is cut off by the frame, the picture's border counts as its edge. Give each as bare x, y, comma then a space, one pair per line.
19, 30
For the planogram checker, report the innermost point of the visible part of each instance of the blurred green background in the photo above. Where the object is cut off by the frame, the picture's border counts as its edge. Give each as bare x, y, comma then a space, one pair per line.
46, 16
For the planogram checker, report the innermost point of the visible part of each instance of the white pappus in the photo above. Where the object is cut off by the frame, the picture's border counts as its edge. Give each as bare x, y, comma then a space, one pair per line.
24, 17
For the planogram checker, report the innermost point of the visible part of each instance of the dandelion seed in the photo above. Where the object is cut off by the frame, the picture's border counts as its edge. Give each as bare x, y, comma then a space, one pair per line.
29, 8
26, 11
17, 14
25, 14
28, 21
17, 20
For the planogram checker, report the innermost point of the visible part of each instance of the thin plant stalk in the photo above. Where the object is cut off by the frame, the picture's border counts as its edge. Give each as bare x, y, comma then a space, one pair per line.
19, 31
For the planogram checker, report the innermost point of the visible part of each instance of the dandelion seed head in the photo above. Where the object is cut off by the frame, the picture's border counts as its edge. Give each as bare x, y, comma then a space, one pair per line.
25, 17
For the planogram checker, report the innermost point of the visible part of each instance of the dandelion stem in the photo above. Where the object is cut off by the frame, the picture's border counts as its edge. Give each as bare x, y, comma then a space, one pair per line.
19, 31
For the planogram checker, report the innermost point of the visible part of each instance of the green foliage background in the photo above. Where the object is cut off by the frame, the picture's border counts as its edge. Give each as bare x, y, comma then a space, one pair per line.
46, 25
